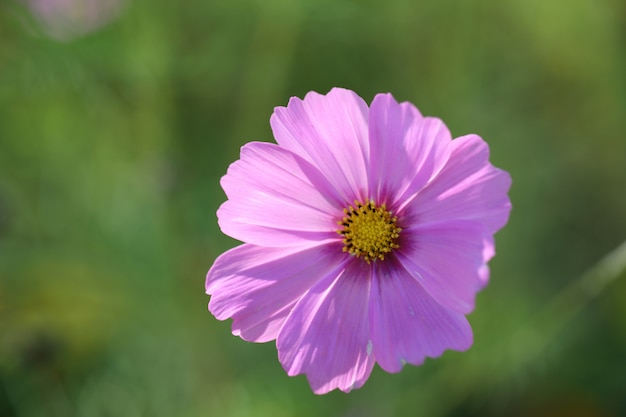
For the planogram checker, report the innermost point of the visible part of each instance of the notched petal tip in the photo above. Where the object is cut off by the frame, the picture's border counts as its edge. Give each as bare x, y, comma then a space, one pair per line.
387, 102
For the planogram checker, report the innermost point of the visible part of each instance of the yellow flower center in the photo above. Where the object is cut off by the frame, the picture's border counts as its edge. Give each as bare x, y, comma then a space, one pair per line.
370, 231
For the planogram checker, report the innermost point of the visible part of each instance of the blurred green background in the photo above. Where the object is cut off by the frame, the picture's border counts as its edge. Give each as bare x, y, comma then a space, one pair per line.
117, 121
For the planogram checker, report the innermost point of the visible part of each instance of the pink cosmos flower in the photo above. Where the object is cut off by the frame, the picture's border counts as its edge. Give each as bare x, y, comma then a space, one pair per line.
367, 235
68, 19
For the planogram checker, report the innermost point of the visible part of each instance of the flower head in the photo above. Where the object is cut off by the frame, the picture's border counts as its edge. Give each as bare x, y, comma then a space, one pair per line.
68, 19
367, 235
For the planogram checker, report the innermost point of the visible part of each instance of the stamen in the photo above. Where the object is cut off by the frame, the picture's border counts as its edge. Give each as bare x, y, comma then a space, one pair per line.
370, 231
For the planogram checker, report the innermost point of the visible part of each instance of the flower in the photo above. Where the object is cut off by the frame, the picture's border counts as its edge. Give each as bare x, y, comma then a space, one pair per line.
367, 235
65, 20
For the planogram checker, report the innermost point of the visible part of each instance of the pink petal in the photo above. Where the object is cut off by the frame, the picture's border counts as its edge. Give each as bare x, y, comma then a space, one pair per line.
275, 198
331, 133
257, 287
406, 149
407, 324
489, 251
468, 188
448, 260
326, 336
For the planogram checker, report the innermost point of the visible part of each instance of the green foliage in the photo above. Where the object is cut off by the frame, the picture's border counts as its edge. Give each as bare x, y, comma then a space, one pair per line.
112, 145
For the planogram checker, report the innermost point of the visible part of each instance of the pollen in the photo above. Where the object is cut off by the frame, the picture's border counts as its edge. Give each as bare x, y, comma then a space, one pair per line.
369, 231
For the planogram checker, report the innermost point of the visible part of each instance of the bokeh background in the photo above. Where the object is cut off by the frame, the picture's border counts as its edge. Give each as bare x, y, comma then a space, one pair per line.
117, 119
